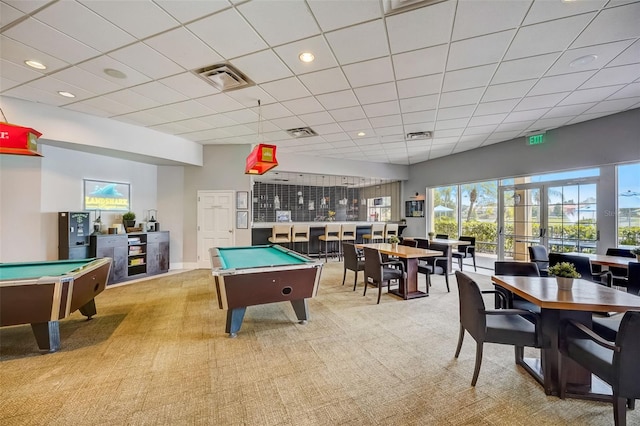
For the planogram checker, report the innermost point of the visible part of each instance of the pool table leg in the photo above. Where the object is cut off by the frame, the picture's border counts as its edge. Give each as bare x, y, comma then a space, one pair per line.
300, 307
234, 320
88, 309
47, 335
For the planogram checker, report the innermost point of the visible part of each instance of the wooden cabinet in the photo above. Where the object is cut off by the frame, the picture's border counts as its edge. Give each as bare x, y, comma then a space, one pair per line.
134, 255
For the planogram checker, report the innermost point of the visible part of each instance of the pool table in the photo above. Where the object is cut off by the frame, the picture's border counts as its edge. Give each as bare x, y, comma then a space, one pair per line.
41, 293
246, 276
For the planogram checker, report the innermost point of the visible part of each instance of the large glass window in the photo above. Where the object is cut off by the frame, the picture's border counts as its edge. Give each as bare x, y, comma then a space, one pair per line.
479, 214
629, 205
445, 210
379, 209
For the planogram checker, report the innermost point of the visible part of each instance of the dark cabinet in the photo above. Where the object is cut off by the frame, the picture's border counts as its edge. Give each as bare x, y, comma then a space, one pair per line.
74, 229
157, 252
115, 247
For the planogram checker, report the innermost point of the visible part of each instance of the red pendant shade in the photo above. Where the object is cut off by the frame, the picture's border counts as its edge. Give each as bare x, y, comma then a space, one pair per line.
18, 140
261, 159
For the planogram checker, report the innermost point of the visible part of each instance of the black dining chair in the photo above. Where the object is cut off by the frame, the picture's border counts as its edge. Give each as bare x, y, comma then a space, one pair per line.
377, 272
435, 265
618, 275
504, 326
442, 236
539, 255
516, 269
615, 362
466, 251
352, 262
583, 266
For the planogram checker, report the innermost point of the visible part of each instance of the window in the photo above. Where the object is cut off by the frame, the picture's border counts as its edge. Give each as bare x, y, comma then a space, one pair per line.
445, 210
379, 209
479, 214
628, 205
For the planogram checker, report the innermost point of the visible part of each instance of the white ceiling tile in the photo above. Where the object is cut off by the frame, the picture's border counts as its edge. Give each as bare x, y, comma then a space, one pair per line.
514, 90
543, 10
586, 117
451, 124
228, 34
331, 80
193, 108
387, 121
533, 114
542, 101
422, 126
249, 96
53, 86
419, 117
144, 59
141, 117
559, 83
481, 50
616, 75
603, 54
369, 72
159, 92
419, 86
419, 103
315, 118
275, 110
355, 125
487, 119
548, 123
17, 73
171, 128
329, 131
188, 10
172, 44
270, 17
613, 106
382, 109
262, 66
351, 12
496, 107
468, 78
480, 130
303, 105
220, 102
194, 124
475, 18
88, 109
6, 83
290, 55
109, 106
135, 100
629, 56
126, 15
86, 80
285, 89
42, 37
8, 14
18, 53
36, 95
390, 130
450, 132
519, 125
546, 37
168, 113
460, 147
616, 23
523, 69
589, 95
348, 114
428, 26
461, 97
455, 112
98, 65
359, 43
420, 62
342, 99
568, 111
289, 123
189, 85
629, 91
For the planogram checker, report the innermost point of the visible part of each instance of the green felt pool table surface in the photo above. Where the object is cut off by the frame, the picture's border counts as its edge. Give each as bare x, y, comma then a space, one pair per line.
258, 257
53, 268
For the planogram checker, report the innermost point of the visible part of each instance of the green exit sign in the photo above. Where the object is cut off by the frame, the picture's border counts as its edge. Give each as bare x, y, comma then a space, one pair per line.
536, 139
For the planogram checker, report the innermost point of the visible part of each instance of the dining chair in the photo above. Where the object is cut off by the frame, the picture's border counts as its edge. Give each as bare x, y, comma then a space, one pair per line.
300, 234
352, 262
376, 234
466, 251
280, 234
377, 272
607, 327
389, 230
503, 326
615, 362
409, 243
331, 235
583, 266
435, 265
618, 275
516, 269
348, 232
442, 236
538, 254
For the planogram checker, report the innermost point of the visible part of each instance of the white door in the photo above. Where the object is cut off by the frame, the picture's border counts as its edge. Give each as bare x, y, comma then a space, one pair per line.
215, 223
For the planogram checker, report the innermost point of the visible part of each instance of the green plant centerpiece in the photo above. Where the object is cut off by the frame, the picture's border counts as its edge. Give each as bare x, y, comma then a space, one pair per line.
636, 251
564, 272
431, 234
129, 219
393, 240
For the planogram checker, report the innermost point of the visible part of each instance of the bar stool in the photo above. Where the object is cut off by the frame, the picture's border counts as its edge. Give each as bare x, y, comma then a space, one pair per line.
347, 233
300, 234
389, 230
280, 234
376, 233
331, 234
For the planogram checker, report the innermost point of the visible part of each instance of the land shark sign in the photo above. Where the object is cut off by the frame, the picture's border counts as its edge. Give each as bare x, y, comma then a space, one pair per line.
106, 196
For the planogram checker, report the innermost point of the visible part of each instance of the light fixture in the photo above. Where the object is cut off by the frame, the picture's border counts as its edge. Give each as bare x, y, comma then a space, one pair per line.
66, 94
35, 64
306, 57
362, 134
263, 157
114, 73
583, 60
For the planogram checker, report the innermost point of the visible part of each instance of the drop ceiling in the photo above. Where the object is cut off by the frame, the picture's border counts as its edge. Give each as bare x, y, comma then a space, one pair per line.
471, 72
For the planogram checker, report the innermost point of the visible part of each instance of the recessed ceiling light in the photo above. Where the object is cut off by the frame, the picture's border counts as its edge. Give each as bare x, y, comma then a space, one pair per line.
583, 60
306, 57
362, 134
35, 64
114, 73
66, 94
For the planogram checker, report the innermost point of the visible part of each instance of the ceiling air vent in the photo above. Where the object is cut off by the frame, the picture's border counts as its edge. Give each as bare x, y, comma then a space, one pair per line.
396, 6
302, 132
224, 77
419, 135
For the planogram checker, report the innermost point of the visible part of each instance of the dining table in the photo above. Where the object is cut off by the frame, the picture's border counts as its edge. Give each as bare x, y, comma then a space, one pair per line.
606, 260
557, 306
447, 241
409, 257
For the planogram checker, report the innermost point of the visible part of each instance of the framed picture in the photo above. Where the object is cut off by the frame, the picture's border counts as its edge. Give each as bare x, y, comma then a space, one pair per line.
242, 200
242, 219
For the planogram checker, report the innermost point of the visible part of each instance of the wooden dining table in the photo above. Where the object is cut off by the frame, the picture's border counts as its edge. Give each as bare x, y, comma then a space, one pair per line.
556, 305
450, 242
606, 260
409, 256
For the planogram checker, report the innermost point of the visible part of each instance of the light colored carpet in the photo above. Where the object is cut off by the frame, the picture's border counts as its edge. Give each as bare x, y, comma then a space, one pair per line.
156, 353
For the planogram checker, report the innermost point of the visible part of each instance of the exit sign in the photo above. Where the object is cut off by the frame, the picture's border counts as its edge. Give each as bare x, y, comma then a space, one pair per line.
536, 139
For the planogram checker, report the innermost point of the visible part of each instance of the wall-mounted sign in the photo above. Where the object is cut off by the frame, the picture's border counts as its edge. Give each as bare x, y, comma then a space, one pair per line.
18, 140
535, 139
106, 196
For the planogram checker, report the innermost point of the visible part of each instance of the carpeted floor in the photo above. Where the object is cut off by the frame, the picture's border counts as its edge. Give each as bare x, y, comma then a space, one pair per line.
156, 353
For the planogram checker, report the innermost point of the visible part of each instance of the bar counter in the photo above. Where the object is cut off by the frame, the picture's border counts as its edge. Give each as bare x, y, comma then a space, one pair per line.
261, 231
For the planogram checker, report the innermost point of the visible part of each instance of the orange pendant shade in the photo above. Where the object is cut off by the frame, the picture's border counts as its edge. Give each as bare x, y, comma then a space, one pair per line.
18, 140
261, 159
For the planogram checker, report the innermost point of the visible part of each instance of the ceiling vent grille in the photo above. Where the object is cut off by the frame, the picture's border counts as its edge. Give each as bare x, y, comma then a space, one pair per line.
419, 135
224, 77
396, 6
302, 132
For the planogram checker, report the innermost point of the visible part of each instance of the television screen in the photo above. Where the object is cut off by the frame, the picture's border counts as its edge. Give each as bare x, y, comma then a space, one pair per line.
377, 201
106, 196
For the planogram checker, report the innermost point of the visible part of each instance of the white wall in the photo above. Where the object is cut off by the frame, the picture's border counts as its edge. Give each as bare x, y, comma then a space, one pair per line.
171, 210
607, 140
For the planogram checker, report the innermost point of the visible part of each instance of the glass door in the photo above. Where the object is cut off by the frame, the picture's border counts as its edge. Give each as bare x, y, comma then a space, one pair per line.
572, 218
521, 221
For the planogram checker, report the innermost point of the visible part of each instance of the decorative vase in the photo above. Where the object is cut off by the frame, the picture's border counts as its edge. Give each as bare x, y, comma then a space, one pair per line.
564, 283
394, 246
129, 223
638, 257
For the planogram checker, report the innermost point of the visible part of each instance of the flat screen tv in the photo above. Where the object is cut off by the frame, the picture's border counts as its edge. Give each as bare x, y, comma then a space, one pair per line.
106, 196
